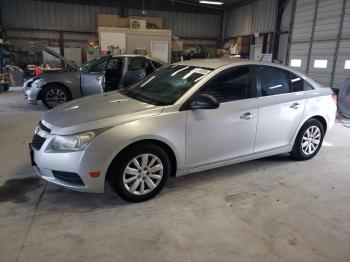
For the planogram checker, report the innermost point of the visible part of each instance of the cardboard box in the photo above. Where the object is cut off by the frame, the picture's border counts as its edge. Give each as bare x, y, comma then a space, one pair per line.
107, 20
137, 24
154, 22
221, 52
243, 49
177, 46
243, 40
104, 20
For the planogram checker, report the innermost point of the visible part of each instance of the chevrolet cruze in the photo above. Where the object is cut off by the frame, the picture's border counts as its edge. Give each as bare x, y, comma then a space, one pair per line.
184, 118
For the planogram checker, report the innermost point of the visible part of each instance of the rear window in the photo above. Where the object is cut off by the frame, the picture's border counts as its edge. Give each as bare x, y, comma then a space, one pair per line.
299, 84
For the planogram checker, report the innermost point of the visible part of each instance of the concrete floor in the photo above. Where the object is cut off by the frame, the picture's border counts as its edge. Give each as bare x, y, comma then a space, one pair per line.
274, 209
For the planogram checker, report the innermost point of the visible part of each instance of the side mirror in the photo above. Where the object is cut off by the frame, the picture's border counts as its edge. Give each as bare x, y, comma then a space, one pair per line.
204, 101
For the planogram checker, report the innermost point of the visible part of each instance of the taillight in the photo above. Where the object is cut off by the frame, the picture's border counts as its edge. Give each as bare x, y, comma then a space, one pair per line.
335, 97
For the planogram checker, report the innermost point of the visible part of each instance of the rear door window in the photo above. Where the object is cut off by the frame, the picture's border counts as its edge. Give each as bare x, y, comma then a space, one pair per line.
137, 63
274, 81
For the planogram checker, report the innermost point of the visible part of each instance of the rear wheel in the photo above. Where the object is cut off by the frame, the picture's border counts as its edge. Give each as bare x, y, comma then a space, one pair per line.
55, 95
309, 140
140, 172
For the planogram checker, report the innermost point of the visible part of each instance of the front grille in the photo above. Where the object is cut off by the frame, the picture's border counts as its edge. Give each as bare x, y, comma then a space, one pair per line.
44, 128
71, 178
37, 142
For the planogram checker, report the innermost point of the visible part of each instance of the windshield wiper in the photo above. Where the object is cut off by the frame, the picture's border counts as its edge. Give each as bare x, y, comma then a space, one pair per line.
142, 98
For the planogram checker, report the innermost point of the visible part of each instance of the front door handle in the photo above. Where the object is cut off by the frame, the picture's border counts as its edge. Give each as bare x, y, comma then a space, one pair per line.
295, 106
247, 116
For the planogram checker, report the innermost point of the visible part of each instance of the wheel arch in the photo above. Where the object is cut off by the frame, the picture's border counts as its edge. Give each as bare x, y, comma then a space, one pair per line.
163, 145
41, 93
322, 120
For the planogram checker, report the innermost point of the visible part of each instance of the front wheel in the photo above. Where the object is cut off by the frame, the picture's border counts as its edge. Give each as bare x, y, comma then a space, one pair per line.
309, 140
140, 172
55, 95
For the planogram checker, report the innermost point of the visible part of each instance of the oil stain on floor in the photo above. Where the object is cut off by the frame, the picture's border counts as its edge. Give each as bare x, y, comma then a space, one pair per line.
15, 190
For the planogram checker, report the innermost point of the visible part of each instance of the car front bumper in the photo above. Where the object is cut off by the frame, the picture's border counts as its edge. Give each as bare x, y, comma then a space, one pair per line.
49, 164
31, 93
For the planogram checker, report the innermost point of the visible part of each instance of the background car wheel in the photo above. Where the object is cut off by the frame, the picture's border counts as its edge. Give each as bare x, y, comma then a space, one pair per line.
309, 140
55, 95
140, 172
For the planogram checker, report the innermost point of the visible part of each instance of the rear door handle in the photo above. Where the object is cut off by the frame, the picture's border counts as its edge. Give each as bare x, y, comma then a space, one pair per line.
295, 106
247, 116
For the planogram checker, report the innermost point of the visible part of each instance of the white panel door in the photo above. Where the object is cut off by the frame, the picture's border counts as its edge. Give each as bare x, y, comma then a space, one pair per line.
112, 39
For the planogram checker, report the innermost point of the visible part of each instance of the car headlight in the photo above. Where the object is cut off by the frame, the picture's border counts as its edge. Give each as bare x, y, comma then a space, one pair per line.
73, 142
37, 83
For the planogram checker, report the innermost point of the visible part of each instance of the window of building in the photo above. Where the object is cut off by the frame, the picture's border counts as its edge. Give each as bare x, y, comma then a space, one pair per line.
320, 63
295, 62
347, 64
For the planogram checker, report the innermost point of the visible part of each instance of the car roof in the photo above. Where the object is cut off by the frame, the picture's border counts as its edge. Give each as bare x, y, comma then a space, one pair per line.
145, 56
215, 63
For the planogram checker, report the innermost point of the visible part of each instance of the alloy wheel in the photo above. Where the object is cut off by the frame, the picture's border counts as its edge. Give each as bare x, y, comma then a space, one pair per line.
55, 97
143, 174
311, 140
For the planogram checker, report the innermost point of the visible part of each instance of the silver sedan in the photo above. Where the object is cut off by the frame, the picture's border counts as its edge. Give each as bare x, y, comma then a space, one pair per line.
187, 117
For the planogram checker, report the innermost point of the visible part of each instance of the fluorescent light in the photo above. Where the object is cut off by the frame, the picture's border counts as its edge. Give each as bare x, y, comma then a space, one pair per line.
295, 62
295, 79
320, 63
211, 2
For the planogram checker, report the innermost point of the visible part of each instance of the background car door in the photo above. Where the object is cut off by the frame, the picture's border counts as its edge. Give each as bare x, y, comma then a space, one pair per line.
280, 109
114, 73
227, 132
92, 82
136, 70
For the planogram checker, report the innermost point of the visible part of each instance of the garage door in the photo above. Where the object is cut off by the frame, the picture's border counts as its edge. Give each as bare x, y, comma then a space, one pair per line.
320, 43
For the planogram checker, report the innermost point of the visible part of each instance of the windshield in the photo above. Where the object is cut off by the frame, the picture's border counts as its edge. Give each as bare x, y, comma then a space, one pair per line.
86, 67
167, 85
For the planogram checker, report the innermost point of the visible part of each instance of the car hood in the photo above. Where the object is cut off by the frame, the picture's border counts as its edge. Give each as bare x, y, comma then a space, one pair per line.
68, 63
99, 111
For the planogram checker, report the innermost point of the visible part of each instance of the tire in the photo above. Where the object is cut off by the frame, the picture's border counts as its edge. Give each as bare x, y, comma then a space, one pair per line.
307, 145
141, 179
4, 88
54, 95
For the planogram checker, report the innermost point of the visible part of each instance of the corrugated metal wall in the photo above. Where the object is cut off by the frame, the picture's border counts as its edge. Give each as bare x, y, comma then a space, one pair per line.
258, 16
80, 20
315, 36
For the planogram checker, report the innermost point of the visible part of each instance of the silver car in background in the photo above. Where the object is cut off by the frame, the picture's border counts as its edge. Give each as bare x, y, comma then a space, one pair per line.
187, 117
99, 75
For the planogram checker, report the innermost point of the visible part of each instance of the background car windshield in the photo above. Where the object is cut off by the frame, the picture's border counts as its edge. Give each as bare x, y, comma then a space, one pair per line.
167, 85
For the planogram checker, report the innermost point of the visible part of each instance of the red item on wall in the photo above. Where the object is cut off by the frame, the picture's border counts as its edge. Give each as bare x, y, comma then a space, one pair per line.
37, 70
